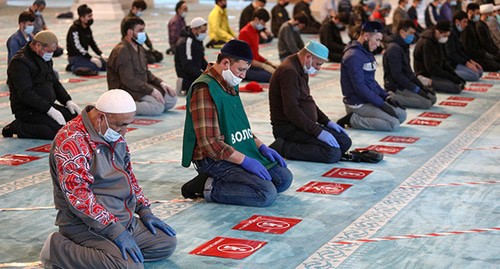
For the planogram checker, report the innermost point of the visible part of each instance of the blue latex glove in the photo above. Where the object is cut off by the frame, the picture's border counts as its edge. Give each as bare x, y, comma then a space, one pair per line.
126, 243
272, 155
151, 221
328, 138
255, 167
336, 127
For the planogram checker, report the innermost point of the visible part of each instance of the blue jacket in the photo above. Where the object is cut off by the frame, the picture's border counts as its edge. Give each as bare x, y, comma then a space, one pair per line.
16, 42
357, 77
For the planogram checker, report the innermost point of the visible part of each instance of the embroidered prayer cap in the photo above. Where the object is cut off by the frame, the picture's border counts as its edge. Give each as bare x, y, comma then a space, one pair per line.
238, 49
46, 37
116, 101
197, 22
317, 49
372, 27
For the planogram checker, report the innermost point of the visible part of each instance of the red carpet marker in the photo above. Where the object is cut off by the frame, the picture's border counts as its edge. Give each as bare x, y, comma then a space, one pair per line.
449, 103
145, 122
475, 89
130, 129
324, 187
267, 224
42, 148
434, 115
16, 159
386, 149
72, 80
349, 173
451, 184
226, 247
154, 66
4, 94
487, 85
95, 77
333, 67
400, 139
491, 77
181, 107
493, 74
461, 98
425, 122
413, 236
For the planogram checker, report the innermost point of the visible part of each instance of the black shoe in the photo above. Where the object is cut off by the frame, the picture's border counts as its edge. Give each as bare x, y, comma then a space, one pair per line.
10, 129
169, 51
68, 68
194, 188
345, 121
83, 71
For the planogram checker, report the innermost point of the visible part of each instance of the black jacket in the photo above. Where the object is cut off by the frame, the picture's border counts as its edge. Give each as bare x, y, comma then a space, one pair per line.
455, 49
430, 58
246, 15
304, 7
79, 39
398, 74
329, 35
470, 40
279, 15
485, 40
189, 56
33, 84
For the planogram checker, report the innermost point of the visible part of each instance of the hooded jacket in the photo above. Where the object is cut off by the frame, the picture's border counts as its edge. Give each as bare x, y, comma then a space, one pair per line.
398, 74
357, 77
79, 39
189, 56
430, 59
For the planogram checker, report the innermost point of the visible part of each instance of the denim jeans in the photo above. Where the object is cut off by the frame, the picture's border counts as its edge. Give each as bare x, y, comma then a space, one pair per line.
467, 74
230, 183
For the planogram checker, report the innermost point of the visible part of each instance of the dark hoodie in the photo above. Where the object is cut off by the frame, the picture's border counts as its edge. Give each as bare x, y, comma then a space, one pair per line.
430, 59
398, 74
455, 49
189, 56
357, 77
79, 39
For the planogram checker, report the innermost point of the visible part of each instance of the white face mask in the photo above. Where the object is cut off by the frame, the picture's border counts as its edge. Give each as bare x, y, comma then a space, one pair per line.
29, 29
110, 135
184, 14
230, 78
259, 26
443, 40
201, 36
311, 70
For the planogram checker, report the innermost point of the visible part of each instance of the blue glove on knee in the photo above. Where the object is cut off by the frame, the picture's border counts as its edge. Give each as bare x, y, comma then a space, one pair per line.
255, 167
151, 221
336, 127
272, 155
126, 243
328, 138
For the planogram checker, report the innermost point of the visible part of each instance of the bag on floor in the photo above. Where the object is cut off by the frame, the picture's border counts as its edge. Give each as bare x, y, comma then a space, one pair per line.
364, 155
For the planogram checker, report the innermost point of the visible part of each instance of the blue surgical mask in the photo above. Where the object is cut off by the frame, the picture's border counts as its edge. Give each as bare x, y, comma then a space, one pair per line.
439, 6
259, 26
38, 13
453, 3
498, 18
201, 36
47, 56
29, 29
459, 27
295, 28
409, 39
368, 13
141, 38
475, 18
110, 135
138, 13
311, 70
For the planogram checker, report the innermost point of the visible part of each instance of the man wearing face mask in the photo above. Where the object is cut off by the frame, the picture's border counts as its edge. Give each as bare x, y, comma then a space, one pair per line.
459, 59
360, 15
219, 30
279, 15
261, 69
400, 14
78, 41
128, 70
483, 31
37, 9
176, 24
330, 36
289, 40
470, 39
302, 131
399, 78
304, 8
234, 166
23, 35
431, 61
368, 105
104, 219
189, 57
34, 88
432, 14
246, 17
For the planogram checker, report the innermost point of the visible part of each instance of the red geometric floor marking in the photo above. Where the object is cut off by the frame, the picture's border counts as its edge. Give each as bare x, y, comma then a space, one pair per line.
425, 122
17, 159
434, 115
400, 139
42, 148
386, 149
460, 98
324, 187
449, 103
349, 173
267, 224
145, 122
226, 247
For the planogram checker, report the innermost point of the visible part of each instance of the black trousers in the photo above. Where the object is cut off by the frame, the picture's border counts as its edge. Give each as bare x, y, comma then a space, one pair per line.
298, 145
39, 125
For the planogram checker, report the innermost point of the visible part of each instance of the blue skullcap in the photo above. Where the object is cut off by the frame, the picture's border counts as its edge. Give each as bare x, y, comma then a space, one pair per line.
372, 27
317, 49
238, 49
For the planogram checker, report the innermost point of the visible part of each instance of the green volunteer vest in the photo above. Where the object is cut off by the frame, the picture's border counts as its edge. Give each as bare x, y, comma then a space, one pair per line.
233, 124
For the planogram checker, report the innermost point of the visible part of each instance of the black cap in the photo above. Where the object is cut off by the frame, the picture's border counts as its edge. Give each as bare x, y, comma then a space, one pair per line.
443, 26
238, 49
372, 27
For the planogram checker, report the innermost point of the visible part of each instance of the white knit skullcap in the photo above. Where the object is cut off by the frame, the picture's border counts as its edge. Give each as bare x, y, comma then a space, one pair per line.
116, 101
197, 22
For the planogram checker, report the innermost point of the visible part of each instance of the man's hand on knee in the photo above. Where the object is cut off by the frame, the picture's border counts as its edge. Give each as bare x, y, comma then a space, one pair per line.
126, 243
151, 221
